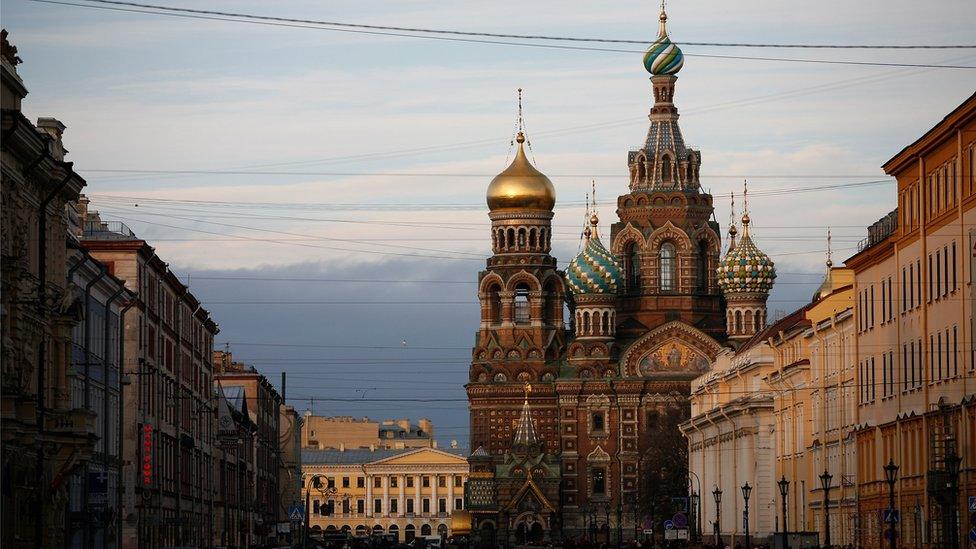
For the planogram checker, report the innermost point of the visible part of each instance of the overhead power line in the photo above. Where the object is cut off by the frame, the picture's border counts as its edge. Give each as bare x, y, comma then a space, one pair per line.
529, 36
463, 36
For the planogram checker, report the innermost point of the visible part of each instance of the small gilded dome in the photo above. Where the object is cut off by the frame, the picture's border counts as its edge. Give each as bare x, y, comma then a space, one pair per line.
663, 57
520, 186
594, 270
745, 269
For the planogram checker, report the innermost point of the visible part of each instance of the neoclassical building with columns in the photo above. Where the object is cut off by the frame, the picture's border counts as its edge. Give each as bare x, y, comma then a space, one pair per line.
648, 312
407, 492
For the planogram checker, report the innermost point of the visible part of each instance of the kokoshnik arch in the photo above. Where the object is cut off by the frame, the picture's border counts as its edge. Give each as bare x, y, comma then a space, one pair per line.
646, 316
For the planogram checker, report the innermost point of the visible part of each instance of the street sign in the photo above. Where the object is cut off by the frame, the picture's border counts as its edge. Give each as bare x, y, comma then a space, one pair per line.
682, 534
680, 520
668, 525
671, 534
972, 503
296, 512
648, 532
891, 516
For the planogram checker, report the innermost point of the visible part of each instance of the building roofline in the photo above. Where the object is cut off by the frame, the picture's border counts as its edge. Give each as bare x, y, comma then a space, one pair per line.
958, 115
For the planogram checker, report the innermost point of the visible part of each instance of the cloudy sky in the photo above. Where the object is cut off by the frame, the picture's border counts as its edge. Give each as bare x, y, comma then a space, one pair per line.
366, 225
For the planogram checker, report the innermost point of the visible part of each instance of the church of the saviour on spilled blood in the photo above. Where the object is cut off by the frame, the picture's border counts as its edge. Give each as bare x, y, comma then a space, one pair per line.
561, 409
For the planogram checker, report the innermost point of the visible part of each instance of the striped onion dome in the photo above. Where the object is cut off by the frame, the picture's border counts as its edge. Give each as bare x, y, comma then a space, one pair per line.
594, 270
745, 268
663, 57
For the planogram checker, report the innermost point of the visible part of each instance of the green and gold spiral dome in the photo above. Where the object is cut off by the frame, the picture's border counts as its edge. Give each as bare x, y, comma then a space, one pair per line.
745, 269
663, 57
594, 270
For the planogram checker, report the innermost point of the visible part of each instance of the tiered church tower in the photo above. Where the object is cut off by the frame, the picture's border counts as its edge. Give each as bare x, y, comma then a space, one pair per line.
522, 296
665, 241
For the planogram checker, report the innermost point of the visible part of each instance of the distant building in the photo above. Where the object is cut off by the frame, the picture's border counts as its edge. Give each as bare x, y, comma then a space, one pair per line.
350, 433
406, 492
255, 397
168, 432
290, 467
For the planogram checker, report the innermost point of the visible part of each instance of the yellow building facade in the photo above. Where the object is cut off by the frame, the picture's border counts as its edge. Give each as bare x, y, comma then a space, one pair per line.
408, 492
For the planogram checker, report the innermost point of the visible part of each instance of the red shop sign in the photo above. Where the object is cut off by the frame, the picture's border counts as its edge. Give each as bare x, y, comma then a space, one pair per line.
147, 446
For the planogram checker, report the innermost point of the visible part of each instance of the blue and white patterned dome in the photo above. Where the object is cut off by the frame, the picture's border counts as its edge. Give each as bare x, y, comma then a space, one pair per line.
745, 269
594, 270
663, 57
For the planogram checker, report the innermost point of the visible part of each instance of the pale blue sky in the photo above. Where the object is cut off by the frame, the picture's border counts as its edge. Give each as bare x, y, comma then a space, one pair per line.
151, 92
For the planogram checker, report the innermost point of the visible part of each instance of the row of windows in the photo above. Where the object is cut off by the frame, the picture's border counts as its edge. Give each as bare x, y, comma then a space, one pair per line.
942, 280
325, 508
394, 481
943, 363
941, 190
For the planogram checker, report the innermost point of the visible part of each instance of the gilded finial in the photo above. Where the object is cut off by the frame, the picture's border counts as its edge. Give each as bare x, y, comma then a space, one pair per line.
745, 208
663, 25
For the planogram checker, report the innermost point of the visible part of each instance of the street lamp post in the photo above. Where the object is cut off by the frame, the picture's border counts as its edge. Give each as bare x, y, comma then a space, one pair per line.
717, 493
784, 490
891, 476
746, 491
696, 518
825, 479
953, 462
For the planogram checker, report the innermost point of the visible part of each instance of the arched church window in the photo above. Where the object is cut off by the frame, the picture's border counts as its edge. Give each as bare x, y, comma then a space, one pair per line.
758, 319
586, 323
542, 238
633, 267
511, 238
521, 238
641, 169
666, 168
605, 330
532, 238
494, 304
702, 264
748, 320
522, 304
667, 256
738, 322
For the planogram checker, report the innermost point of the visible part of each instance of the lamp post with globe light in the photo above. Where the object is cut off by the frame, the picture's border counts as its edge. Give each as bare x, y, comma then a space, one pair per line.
717, 494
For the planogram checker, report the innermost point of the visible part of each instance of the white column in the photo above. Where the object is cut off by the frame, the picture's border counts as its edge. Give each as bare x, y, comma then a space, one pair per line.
369, 496
402, 506
450, 494
417, 507
433, 495
386, 494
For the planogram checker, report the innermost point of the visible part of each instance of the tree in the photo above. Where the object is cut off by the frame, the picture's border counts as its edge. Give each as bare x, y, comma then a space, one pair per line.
664, 461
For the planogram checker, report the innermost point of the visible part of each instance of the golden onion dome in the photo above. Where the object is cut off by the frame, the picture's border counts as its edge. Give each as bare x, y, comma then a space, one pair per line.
520, 186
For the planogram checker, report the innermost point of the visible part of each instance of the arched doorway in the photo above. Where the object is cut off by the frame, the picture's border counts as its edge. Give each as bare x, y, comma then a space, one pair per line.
535, 533
442, 530
425, 530
377, 530
361, 530
394, 530
409, 532
486, 535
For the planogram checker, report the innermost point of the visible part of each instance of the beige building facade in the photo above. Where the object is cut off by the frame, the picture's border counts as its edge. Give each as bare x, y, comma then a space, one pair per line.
408, 492
914, 283
346, 432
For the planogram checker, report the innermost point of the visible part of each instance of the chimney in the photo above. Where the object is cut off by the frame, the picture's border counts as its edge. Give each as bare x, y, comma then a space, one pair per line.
404, 424
55, 129
80, 216
427, 426
342, 447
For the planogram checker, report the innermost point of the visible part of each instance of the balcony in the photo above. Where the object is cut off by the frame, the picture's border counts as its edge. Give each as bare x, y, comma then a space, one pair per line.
880, 230
108, 230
